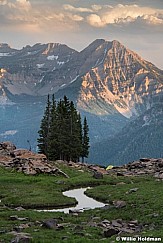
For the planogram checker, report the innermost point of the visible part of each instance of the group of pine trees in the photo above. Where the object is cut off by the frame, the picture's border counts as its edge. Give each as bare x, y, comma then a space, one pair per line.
62, 135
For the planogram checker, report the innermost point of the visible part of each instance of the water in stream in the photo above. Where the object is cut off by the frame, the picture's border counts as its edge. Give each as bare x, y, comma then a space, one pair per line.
84, 202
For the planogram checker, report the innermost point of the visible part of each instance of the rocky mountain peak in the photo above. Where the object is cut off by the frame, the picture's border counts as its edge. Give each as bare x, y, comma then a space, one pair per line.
4, 47
108, 77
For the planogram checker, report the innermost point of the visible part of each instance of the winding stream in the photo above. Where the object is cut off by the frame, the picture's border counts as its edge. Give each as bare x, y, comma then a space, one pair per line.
84, 202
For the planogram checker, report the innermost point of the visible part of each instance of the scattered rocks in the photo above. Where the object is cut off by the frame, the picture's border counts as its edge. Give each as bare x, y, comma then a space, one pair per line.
26, 161
117, 226
21, 238
15, 217
144, 166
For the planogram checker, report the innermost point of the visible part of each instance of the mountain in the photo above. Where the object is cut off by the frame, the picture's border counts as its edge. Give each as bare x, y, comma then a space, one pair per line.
140, 138
108, 78
109, 83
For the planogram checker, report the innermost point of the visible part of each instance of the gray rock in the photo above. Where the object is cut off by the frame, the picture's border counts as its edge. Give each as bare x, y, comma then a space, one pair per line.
110, 232
50, 223
132, 190
119, 204
98, 175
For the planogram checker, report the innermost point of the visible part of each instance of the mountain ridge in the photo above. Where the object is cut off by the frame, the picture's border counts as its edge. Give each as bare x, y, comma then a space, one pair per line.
108, 82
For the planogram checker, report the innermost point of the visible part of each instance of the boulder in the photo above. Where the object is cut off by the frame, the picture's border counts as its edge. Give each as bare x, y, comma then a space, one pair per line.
119, 204
110, 232
50, 223
97, 175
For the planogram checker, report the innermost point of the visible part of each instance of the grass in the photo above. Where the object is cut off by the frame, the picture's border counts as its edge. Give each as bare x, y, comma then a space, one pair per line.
17, 189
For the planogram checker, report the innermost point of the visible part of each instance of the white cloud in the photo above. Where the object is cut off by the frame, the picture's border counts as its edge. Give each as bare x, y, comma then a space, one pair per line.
95, 20
76, 17
18, 4
25, 4
124, 14
71, 8
96, 7
3, 2
153, 19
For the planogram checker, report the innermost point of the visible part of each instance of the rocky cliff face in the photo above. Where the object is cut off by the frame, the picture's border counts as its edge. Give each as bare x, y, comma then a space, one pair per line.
121, 79
29, 70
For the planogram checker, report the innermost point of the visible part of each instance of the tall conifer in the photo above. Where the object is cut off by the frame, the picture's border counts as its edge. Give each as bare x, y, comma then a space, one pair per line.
85, 142
44, 130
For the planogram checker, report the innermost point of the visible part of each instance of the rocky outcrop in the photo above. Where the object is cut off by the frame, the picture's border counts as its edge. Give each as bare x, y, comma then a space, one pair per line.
142, 167
26, 161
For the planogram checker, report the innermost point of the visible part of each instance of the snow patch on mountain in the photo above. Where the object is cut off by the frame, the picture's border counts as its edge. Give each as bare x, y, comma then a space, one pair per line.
5, 54
52, 58
40, 65
9, 133
60, 63
74, 79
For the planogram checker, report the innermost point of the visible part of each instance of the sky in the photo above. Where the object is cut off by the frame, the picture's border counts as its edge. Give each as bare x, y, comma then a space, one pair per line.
137, 24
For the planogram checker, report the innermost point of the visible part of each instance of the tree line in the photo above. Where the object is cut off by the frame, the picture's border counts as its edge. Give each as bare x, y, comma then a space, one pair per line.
62, 134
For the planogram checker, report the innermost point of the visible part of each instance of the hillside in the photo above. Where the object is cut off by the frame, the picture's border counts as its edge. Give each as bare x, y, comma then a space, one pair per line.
142, 137
131, 209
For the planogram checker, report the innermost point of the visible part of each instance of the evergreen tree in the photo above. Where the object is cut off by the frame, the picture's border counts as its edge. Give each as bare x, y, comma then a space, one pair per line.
44, 130
53, 133
75, 134
61, 135
85, 142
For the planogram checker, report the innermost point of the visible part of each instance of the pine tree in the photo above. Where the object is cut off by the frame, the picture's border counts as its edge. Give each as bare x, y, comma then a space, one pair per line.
75, 147
61, 135
85, 140
53, 135
44, 130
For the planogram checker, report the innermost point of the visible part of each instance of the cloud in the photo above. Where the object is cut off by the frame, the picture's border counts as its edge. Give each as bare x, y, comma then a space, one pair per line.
32, 15
95, 20
3, 2
18, 4
23, 4
121, 14
71, 8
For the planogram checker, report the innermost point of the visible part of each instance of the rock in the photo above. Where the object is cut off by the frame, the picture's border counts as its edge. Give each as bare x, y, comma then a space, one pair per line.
135, 222
127, 230
50, 223
76, 211
115, 223
119, 204
19, 209
15, 217
98, 175
105, 221
22, 239
120, 174
7, 147
21, 227
110, 232
132, 190
26, 161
